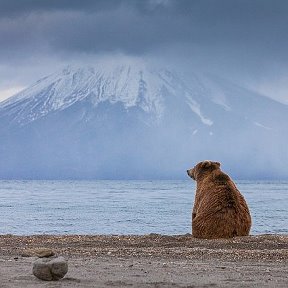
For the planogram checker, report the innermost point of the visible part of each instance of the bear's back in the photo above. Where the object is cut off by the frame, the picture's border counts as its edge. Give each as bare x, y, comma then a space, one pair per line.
219, 193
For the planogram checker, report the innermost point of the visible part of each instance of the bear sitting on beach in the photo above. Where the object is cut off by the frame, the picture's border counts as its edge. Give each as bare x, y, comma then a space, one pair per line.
220, 211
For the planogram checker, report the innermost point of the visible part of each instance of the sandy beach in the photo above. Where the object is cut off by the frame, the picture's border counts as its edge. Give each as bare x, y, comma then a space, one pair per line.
149, 261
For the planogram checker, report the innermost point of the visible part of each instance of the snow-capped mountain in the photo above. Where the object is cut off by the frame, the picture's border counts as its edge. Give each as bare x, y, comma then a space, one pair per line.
131, 121
123, 84
127, 85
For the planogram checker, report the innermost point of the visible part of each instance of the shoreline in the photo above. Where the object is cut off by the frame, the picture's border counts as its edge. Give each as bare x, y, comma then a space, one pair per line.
150, 260
248, 247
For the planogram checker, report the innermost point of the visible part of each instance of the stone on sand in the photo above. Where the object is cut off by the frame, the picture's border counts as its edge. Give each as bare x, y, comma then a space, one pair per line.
39, 252
50, 268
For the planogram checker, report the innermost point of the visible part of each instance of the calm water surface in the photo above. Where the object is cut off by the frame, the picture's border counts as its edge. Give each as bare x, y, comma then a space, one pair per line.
125, 207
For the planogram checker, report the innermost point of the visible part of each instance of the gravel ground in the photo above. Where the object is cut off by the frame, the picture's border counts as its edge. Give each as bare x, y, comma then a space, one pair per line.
149, 261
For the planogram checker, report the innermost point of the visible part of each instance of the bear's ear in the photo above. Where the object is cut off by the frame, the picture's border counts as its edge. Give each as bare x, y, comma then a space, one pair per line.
209, 165
206, 164
217, 164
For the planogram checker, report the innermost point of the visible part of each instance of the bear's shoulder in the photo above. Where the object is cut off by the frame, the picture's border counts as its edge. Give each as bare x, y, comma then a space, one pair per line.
219, 176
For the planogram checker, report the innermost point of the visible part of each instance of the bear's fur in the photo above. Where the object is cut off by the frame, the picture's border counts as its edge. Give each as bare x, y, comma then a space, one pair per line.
220, 211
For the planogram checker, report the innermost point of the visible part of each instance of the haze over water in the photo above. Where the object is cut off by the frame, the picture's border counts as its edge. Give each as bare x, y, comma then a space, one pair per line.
125, 207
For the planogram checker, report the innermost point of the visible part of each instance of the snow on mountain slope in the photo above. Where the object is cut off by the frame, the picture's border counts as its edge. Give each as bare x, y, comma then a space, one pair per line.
158, 93
131, 85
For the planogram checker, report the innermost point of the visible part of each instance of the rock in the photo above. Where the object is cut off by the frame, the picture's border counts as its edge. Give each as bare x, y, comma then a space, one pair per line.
39, 252
50, 268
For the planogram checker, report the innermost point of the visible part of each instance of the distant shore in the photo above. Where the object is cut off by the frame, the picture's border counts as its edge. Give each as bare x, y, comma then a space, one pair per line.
150, 261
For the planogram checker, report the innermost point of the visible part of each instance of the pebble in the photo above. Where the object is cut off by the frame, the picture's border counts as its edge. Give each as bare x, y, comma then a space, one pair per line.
50, 268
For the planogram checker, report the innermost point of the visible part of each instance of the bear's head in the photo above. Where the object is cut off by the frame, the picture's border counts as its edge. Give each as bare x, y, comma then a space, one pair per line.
202, 168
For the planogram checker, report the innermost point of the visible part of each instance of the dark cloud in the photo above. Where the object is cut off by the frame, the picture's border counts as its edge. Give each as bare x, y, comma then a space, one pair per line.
15, 8
139, 27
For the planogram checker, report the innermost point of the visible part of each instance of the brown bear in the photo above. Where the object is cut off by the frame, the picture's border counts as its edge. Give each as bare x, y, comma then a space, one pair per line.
220, 211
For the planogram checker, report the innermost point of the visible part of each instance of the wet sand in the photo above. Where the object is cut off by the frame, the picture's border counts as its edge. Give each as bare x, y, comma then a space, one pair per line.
150, 261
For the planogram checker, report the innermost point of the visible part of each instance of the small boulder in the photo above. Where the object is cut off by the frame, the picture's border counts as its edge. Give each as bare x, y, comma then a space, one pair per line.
50, 268
39, 252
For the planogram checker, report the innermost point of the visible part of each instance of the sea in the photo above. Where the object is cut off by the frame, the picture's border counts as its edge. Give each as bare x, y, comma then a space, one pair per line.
126, 207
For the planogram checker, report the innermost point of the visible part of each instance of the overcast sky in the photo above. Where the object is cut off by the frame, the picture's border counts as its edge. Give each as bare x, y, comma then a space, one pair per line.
245, 41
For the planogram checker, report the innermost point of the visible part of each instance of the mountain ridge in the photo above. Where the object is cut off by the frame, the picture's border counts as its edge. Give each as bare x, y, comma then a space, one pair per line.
135, 122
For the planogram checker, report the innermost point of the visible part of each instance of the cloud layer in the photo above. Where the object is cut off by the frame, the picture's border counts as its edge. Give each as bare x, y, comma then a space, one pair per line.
242, 39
